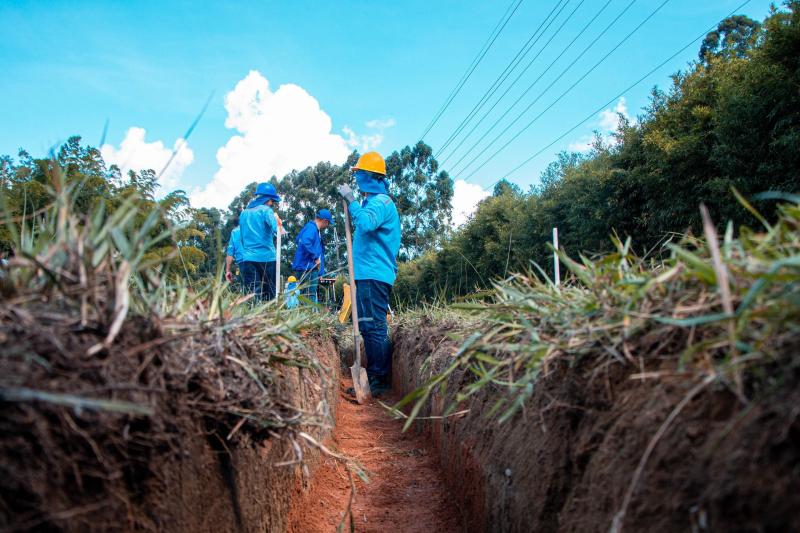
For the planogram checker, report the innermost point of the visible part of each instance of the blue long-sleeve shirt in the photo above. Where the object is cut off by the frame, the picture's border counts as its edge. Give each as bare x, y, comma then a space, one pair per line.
309, 249
376, 241
235, 248
258, 226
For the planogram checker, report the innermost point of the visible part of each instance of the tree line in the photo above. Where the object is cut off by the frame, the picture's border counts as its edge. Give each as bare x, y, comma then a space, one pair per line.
423, 194
731, 120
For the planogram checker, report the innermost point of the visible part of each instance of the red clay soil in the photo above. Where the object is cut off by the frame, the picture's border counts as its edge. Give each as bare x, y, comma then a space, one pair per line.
565, 462
406, 492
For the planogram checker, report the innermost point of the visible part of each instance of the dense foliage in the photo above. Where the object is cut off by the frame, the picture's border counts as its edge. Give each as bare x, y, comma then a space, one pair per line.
27, 190
199, 235
731, 121
422, 192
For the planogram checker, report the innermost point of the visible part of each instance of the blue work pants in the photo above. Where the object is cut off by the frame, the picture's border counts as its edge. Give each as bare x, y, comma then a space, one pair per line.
259, 279
373, 303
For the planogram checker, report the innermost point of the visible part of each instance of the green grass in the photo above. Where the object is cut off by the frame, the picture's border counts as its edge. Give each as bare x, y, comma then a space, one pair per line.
97, 270
718, 306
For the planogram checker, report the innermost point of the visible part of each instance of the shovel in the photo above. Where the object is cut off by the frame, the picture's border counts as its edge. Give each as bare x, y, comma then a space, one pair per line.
359, 373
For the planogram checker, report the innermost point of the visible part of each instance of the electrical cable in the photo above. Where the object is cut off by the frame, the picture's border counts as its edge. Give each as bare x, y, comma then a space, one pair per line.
521, 96
621, 94
561, 75
561, 96
526, 48
470, 70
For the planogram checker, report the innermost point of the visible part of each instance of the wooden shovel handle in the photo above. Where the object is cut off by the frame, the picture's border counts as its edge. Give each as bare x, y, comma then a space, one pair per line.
351, 272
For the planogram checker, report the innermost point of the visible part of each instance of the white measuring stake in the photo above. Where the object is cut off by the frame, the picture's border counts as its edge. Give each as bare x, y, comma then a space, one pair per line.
555, 258
278, 264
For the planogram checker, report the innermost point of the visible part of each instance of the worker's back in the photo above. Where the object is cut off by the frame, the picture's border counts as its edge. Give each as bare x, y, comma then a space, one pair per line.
376, 241
258, 225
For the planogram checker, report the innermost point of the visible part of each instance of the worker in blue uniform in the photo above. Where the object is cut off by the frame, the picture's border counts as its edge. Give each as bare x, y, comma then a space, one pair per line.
234, 255
259, 224
309, 259
376, 242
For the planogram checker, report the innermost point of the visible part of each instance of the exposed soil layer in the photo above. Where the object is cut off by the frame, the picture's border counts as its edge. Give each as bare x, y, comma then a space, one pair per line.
196, 461
406, 492
566, 460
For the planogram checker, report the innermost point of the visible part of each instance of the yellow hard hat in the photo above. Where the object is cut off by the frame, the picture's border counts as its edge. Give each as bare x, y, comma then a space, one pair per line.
292, 279
372, 162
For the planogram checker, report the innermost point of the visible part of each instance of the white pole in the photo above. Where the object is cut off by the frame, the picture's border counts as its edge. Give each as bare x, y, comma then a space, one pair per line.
555, 258
278, 264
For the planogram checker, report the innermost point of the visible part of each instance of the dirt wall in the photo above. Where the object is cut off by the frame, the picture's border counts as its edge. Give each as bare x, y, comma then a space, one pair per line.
187, 466
217, 486
566, 460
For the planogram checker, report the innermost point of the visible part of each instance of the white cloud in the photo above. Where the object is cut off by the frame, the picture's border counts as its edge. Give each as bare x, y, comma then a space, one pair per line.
364, 143
609, 118
607, 124
367, 142
466, 197
582, 145
135, 153
278, 131
381, 123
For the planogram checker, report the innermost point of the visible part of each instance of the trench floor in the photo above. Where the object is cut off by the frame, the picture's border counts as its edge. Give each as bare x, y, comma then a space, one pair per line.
406, 490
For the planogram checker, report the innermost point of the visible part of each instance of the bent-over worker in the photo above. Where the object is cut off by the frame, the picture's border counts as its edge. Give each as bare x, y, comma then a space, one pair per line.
376, 242
309, 259
259, 224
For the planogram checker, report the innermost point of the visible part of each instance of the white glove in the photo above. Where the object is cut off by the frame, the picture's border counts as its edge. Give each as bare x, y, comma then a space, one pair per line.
347, 192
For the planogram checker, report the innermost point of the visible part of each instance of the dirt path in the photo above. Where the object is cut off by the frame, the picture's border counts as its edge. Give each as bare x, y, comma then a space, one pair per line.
406, 492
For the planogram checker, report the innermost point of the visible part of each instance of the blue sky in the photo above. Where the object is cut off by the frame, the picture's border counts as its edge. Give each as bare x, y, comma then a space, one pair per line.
70, 66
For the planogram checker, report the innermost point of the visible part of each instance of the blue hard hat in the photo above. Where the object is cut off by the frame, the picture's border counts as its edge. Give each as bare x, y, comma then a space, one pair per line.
268, 190
324, 214
370, 182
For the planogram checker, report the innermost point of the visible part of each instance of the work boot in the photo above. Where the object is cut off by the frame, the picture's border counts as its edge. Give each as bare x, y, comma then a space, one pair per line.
378, 386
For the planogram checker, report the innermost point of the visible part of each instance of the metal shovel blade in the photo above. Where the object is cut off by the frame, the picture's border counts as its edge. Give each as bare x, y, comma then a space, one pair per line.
360, 383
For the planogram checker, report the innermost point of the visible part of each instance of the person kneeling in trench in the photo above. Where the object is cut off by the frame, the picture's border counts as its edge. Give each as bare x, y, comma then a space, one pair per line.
376, 242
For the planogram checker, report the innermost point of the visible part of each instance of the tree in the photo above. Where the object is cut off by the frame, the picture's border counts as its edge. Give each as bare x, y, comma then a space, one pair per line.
27, 186
505, 187
423, 195
734, 37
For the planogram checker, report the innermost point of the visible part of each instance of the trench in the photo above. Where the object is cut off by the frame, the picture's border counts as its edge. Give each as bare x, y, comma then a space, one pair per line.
405, 492
563, 463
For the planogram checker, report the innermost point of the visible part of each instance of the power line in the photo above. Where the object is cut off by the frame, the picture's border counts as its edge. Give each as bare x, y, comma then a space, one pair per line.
537, 117
512, 65
472, 67
513, 83
526, 91
541, 94
615, 98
